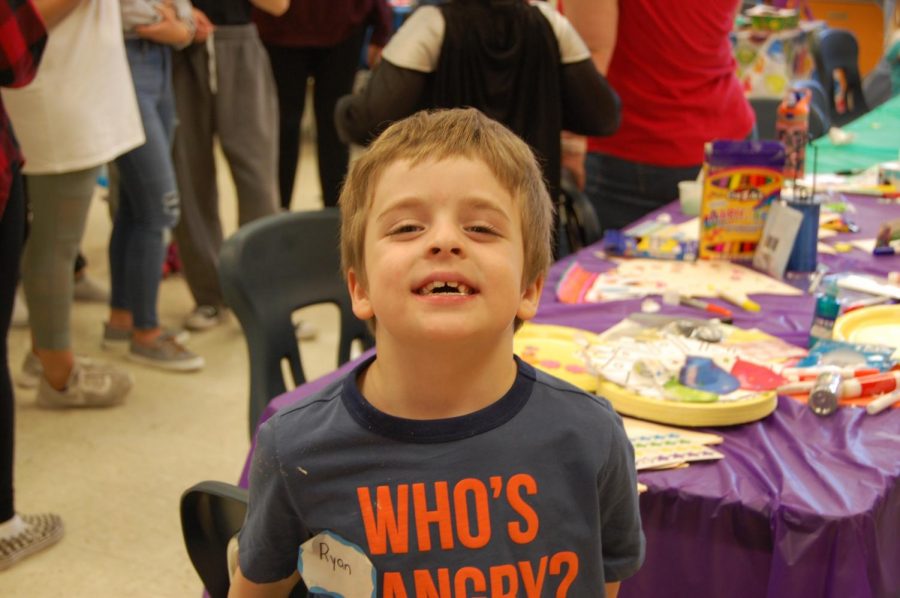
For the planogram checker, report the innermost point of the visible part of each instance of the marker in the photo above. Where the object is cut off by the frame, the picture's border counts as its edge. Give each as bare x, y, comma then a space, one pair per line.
795, 374
866, 303
796, 388
673, 298
740, 299
804, 382
870, 385
881, 403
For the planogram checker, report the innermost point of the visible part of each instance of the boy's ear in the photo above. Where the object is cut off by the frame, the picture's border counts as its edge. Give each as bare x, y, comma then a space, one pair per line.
531, 297
359, 297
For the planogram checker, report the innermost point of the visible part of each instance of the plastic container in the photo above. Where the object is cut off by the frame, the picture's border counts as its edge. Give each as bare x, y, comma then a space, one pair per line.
827, 310
792, 129
689, 194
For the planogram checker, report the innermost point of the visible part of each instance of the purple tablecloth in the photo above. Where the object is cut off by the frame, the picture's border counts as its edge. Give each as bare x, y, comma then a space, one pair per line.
800, 505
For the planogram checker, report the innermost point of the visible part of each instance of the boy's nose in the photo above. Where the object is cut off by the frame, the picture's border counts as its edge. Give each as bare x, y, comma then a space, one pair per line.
446, 238
454, 250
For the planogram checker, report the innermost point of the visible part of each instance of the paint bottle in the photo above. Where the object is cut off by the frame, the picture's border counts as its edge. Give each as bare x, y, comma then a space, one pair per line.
792, 129
823, 398
827, 309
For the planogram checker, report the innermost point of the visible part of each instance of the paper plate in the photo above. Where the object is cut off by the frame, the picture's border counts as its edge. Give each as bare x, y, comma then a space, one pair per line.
556, 350
688, 414
878, 325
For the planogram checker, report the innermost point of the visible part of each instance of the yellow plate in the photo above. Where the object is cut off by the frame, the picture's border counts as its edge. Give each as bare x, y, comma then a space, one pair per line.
688, 414
876, 325
556, 350
563, 333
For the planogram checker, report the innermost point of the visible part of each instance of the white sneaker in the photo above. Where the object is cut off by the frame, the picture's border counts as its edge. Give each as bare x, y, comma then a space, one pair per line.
20, 311
39, 532
33, 369
91, 384
88, 290
305, 331
205, 317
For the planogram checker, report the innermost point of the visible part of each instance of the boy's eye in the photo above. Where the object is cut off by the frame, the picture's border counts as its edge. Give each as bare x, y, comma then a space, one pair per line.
406, 228
483, 229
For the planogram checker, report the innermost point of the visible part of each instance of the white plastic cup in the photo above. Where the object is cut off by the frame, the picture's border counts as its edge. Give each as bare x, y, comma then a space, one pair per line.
689, 193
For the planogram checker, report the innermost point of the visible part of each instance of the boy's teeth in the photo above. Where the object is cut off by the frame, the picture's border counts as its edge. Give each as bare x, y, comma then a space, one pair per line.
458, 288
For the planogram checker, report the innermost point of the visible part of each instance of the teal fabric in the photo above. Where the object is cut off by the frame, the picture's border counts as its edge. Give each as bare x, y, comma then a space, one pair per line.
876, 140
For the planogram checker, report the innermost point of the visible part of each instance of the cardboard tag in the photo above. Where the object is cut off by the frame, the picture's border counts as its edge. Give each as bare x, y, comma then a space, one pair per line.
777, 242
333, 566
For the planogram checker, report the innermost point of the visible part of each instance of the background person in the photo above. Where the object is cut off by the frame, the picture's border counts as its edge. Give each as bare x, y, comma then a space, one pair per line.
223, 90
66, 138
322, 42
675, 74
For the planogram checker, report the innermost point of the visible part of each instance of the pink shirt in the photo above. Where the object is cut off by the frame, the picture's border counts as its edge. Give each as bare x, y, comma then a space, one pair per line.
674, 72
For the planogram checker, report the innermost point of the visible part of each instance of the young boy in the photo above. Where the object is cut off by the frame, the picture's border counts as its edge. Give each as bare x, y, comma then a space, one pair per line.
444, 466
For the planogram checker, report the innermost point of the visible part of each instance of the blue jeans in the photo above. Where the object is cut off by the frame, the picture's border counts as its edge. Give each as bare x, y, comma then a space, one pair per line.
623, 191
148, 202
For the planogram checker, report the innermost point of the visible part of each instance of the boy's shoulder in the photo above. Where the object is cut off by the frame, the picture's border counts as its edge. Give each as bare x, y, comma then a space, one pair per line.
310, 410
567, 400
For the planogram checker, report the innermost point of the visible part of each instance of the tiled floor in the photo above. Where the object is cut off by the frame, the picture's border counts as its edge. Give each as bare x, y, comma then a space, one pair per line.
115, 476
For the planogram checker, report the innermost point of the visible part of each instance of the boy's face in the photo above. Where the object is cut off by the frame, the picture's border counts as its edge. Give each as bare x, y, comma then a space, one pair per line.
444, 254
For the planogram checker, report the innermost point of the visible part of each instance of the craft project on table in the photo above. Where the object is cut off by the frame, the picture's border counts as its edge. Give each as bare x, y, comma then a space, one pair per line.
560, 351
646, 377
634, 278
665, 447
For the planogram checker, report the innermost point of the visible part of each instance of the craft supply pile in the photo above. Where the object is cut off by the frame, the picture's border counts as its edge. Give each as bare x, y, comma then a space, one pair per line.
697, 298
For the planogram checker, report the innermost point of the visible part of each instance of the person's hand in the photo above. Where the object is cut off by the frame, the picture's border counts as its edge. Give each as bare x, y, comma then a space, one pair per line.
203, 26
373, 55
169, 30
574, 150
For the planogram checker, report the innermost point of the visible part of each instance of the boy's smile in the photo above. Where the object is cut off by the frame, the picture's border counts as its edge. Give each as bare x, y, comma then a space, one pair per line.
443, 255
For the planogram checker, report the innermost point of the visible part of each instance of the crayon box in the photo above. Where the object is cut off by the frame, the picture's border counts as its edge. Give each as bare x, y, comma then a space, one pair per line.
741, 179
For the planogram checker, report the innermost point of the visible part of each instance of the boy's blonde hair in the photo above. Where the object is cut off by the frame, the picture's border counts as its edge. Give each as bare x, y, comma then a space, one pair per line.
438, 135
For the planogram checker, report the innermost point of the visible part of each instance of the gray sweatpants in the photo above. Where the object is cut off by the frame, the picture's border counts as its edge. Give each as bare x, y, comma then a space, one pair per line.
59, 209
236, 102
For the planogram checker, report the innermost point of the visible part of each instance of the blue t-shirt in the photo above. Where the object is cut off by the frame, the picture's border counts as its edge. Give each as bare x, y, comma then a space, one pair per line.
536, 491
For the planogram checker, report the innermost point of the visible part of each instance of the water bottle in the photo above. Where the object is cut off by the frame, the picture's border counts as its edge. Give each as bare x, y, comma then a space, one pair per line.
827, 309
792, 129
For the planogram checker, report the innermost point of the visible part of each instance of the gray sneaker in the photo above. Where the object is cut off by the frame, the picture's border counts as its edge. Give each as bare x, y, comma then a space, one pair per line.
205, 317
119, 339
165, 353
41, 530
91, 384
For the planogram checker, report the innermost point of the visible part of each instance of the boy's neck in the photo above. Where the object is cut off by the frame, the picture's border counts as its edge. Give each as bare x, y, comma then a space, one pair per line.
450, 381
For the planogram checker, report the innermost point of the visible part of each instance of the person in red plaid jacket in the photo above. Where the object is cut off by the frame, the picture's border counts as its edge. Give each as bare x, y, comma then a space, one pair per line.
24, 38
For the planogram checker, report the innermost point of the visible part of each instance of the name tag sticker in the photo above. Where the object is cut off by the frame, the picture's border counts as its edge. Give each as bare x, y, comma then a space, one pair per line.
335, 567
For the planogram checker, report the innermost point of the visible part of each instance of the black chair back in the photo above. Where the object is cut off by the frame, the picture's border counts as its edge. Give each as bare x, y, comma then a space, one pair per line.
212, 513
578, 220
270, 268
836, 54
